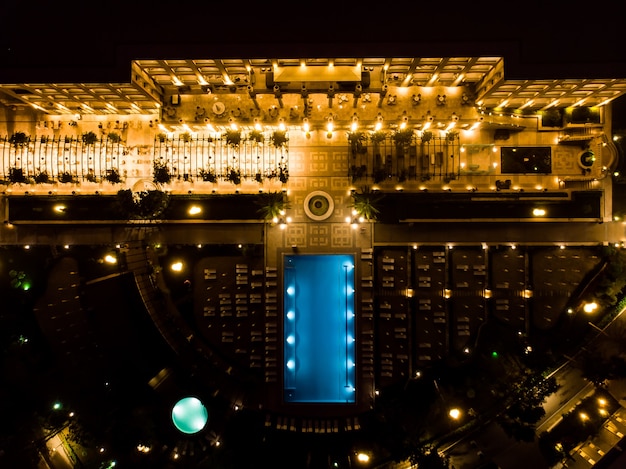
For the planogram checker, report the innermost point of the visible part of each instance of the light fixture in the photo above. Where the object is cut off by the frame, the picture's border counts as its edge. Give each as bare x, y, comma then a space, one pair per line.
195, 210
379, 122
330, 125
110, 259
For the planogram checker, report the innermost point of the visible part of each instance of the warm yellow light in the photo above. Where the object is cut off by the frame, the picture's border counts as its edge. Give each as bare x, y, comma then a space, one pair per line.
194, 210
539, 212
526, 104
110, 259
177, 266
590, 307
362, 457
59, 208
455, 413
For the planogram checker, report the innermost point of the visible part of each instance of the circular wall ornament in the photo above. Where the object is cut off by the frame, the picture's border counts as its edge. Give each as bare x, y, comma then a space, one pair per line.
586, 159
318, 205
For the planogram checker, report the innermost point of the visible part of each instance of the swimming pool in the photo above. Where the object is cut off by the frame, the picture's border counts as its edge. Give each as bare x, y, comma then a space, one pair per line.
319, 331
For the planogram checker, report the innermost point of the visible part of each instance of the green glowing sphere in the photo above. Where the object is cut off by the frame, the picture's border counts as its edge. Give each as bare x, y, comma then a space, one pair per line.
189, 415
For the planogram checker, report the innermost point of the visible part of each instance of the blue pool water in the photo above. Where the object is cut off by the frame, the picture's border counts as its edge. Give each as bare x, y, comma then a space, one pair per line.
319, 331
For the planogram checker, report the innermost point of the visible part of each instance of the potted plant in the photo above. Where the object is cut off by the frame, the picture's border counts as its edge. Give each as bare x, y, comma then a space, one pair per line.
114, 137
272, 205
161, 172
365, 203
233, 175
283, 173
357, 172
91, 176
232, 137
451, 135
357, 140
256, 136
377, 137
258, 177
403, 137
379, 174
185, 137
17, 176
18, 139
161, 137
146, 205
402, 175
208, 175
44, 139
66, 177
113, 176
427, 136
42, 177
279, 138
90, 138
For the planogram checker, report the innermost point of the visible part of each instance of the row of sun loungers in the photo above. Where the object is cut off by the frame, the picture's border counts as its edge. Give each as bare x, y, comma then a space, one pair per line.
312, 425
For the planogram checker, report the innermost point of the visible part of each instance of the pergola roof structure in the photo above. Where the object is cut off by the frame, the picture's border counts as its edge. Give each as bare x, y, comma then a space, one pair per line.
153, 81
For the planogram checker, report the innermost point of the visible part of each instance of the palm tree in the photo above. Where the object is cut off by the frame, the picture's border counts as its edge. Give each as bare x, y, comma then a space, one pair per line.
273, 205
365, 203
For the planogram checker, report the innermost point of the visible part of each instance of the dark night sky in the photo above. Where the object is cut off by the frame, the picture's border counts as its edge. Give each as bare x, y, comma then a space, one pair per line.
97, 40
